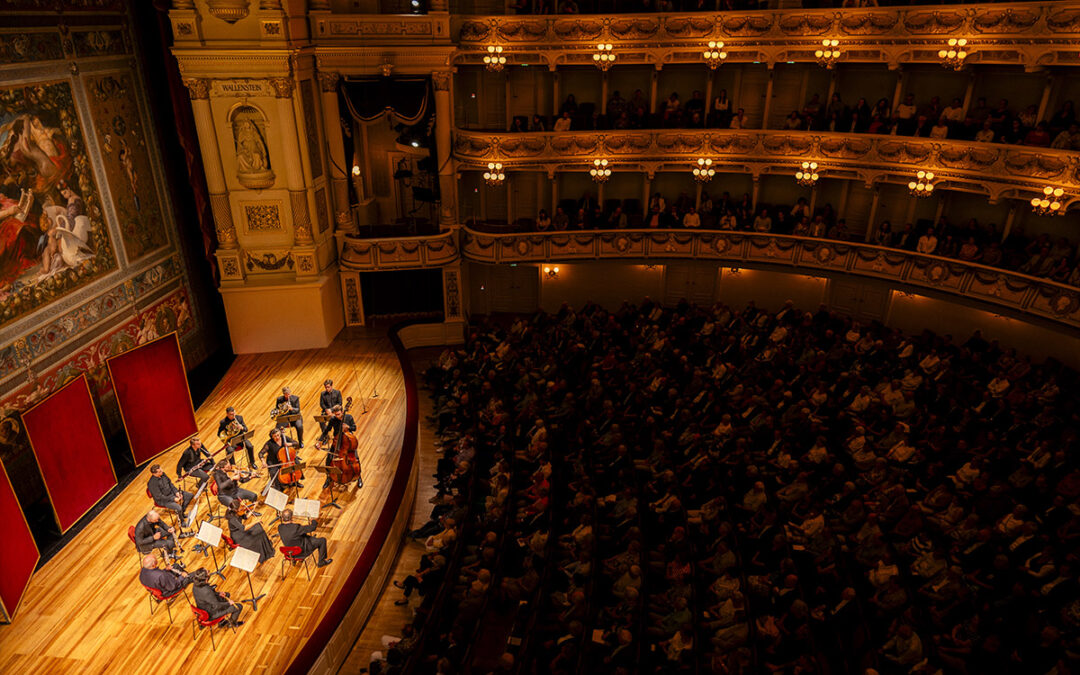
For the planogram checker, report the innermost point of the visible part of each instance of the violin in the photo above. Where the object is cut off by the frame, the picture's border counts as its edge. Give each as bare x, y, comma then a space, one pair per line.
286, 457
344, 450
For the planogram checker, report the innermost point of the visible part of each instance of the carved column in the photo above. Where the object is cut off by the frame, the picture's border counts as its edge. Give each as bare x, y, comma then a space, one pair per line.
199, 91
873, 215
653, 87
768, 99
443, 123
294, 173
335, 146
453, 295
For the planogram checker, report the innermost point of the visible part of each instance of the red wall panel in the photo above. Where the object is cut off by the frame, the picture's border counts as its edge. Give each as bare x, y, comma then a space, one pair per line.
19, 554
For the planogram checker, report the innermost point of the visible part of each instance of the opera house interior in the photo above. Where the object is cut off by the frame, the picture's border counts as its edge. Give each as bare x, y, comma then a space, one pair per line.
540, 337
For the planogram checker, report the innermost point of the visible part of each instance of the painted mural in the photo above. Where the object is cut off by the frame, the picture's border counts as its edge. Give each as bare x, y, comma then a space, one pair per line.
122, 140
53, 237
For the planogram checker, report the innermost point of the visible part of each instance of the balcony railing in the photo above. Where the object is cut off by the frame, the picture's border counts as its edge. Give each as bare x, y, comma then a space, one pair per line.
998, 171
1016, 291
371, 255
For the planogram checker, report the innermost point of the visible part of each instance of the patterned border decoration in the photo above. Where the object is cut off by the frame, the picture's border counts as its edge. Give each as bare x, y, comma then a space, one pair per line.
311, 128
268, 262
261, 218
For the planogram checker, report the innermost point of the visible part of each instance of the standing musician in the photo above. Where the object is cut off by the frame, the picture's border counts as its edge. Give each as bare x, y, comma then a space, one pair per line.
338, 421
165, 493
272, 451
195, 461
228, 489
151, 533
329, 398
233, 425
167, 580
290, 405
215, 604
253, 538
294, 534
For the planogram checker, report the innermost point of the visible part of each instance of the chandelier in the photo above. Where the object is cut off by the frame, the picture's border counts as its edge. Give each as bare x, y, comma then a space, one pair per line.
604, 58
494, 176
715, 54
808, 175
494, 60
922, 186
704, 172
953, 57
600, 171
828, 54
1050, 203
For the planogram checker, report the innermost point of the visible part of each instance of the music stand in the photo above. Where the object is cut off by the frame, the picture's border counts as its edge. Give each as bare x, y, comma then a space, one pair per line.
277, 500
246, 560
282, 421
334, 474
306, 508
210, 535
231, 442
322, 419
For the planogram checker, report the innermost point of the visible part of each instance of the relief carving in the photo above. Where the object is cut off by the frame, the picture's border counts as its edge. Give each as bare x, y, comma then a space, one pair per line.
522, 31
625, 144
578, 29
198, 88
252, 157
1064, 21
844, 147
747, 26
787, 145
805, 24
737, 144
875, 23
522, 147
933, 22
634, 29
688, 27
679, 142
575, 145
967, 158
1036, 166
474, 30
1004, 21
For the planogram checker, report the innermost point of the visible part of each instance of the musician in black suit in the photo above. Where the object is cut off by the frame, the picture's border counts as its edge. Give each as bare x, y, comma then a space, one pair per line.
329, 398
253, 538
293, 409
294, 534
151, 533
215, 604
194, 461
167, 580
271, 448
339, 419
232, 419
228, 489
165, 493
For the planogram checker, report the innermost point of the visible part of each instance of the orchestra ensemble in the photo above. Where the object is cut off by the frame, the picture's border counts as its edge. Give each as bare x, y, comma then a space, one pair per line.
216, 477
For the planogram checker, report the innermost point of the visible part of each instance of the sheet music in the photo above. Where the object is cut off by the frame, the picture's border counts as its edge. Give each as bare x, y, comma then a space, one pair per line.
190, 520
244, 559
306, 508
209, 533
276, 499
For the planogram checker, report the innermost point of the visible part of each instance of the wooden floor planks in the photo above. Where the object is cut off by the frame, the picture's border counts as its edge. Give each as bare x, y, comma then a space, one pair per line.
85, 610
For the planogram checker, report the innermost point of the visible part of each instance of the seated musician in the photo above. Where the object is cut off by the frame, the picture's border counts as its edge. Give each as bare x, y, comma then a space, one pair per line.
279, 440
165, 493
253, 538
167, 580
294, 534
329, 398
215, 604
195, 461
228, 489
151, 533
233, 425
339, 419
290, 405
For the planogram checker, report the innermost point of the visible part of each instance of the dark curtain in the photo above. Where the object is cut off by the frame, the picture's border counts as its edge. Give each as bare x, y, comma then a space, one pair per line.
402, 292
406, 100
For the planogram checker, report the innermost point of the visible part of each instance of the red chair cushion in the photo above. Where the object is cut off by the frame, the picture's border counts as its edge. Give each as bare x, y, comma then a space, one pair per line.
203, 617
161, 597
213, 487
291, 552
228, 541
131, 534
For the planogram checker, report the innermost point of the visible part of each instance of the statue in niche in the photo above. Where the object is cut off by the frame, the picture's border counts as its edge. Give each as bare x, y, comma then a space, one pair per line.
252, 156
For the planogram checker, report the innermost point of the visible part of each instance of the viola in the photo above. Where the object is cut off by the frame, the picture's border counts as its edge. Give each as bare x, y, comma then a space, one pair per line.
287, 459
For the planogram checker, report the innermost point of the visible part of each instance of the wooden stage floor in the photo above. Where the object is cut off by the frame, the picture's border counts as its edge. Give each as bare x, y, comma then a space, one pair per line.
85, 611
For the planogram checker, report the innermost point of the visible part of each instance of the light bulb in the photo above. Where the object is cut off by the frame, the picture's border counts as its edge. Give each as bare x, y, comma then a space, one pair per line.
911, 185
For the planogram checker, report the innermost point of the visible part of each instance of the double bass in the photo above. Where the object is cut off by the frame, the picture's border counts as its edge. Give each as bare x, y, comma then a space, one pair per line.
286, 458
344, 450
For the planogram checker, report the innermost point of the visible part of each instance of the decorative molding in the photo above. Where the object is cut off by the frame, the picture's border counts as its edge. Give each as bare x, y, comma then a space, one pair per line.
198, 88
368, 255
223, 222
301, 219
229, 11
328, 81
441, 80
268, 261
262, 217
282, 86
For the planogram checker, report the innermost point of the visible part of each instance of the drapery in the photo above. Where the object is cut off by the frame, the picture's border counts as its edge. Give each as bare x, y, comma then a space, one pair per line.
406, 100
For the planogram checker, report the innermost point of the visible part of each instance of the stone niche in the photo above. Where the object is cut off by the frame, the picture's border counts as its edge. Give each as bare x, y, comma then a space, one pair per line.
253, 169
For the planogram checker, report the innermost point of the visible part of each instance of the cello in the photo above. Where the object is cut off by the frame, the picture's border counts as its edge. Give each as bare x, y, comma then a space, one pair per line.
286, 458
344, 449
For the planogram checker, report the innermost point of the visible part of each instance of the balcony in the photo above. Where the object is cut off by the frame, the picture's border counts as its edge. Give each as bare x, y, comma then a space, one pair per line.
391, 253
997, 171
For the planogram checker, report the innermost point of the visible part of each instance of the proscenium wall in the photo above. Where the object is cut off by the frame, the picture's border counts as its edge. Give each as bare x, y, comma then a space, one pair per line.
92, 261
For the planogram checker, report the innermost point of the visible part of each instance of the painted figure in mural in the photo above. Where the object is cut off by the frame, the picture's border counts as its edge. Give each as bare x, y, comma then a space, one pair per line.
127, 160
250, 148
39, 152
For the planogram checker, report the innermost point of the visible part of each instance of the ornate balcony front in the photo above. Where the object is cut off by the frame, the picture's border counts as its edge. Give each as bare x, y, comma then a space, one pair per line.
995, 170
1018, 292
1028, 34
373, 255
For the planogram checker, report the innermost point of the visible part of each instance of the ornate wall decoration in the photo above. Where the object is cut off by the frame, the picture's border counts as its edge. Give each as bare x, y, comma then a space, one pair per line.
100, 43
1011, 20
636, 28
230, 267
868, 23
311, 128
321, 211
738, 144
527, 30
1066, 20
578, 29
575, 145
805, 24
958, 157
252, 155
122, 140
305, 263
49, 192
351, 293
689, 26
453, 293
753, 25
262, 218
627, 143
1032, 164
933, 22
24, 47
268, 262
229, 11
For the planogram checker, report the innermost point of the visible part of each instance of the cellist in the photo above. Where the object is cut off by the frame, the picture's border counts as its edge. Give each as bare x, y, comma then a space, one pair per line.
339, 420
281, 450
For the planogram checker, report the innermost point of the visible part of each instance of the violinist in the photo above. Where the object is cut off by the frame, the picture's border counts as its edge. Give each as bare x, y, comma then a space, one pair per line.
253, 538
165, 493
339, 422
289, 404
228, 488
272, 450
329, 398
195, 461
234, 425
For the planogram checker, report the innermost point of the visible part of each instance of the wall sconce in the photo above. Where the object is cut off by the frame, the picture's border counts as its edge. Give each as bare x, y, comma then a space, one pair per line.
494, 176
734, 271
922, 186
551, 272
704, 172
604, 58
808, 175
828, 54
494, 60
600, 171
715, 54
1050, 203
953, 56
